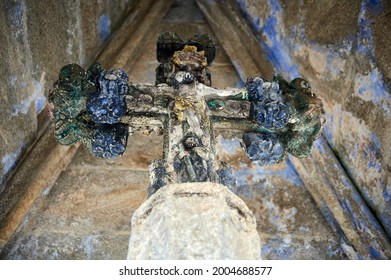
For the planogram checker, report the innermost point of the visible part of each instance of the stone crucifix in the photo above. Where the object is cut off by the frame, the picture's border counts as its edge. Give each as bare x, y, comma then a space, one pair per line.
271, 118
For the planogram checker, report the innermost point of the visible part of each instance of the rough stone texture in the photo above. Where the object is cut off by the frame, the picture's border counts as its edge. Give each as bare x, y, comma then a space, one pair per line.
38, 37
68, 246
336, 19
19, 95
179, 12
381, 24
99, 19
41, 170
194, 221
9, 197
289, 223
345, 59
275, 194
342, 205
84, 203
84, 216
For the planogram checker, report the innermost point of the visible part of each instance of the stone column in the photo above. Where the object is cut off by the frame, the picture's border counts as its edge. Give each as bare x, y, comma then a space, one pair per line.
194, 221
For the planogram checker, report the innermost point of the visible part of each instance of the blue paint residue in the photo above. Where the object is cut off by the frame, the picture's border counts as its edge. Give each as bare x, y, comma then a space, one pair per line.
40, 98
332, 221
327, 132
362, 220
279, 52
37, 97
318, 144
239, 70
376, 6
291, 172
274, 46
104, 28
277, 249
334, 71
239, 84
229, 146
40, 104
329, 128
89, 243
12, 80
365, 37
9, 161
386, 196
385, 218
382, 94
260, 172
377, 89
375, 254
372, 153
375, 165
355, 220
16, 14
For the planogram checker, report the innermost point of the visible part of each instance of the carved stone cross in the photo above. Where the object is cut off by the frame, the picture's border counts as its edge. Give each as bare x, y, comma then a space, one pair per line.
99, 108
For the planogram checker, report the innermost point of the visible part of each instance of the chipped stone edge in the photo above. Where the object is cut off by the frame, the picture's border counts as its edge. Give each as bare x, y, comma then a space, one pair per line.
197, 189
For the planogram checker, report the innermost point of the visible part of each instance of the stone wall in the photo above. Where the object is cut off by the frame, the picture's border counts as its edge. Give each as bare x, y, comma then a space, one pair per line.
37, 38
342, 48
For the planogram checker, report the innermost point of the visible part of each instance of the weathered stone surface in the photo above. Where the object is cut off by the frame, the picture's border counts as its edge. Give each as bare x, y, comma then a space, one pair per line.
345, 61
225, 29
85, 201
179, 13
68, 246
83, 216
382, 23
20, 96
294, 248
98, 20
224, 76
130, 50
53, 31
40, 173
335, 19
194, 221
269, 192
287, 216
40, 37
342, 205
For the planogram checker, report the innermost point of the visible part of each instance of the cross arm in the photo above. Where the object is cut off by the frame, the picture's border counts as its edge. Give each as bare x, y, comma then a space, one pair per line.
94, 103
100, 107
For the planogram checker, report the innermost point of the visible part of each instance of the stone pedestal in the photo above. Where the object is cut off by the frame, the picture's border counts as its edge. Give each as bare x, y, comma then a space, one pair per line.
194, 221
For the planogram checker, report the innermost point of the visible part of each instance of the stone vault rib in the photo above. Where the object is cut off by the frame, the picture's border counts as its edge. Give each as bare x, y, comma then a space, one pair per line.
34, 176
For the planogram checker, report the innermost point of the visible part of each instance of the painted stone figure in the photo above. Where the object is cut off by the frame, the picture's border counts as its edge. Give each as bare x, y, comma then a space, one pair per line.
99, 107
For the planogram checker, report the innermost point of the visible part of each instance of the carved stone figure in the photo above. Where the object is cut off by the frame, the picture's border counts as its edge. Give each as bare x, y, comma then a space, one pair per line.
272, 118
98, 108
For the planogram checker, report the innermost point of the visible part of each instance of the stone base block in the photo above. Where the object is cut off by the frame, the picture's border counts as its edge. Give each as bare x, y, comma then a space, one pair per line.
194, 221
